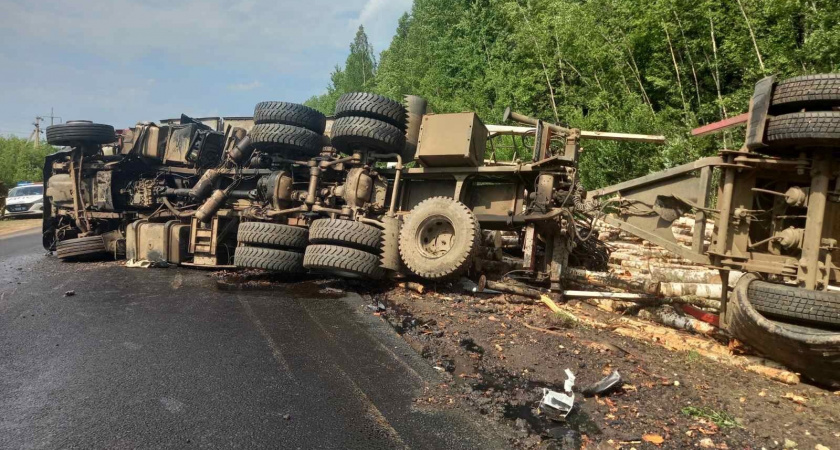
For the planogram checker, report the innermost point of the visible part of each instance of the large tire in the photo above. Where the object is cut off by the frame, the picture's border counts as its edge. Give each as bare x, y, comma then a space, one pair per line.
81, 248
804, 129
363, 104
291, 141
272, 235
269, 259
342, 261
439, 238
362, 133
80, 132
796, 305
809, 92
813, 352
346, 233
290, 114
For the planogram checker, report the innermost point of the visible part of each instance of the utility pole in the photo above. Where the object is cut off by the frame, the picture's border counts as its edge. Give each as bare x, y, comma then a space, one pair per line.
37, 131
52, 117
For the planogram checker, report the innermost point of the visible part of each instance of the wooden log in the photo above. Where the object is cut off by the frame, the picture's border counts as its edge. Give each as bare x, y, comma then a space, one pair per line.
683, 274
412, 286
703, 290
607, 279
666, 315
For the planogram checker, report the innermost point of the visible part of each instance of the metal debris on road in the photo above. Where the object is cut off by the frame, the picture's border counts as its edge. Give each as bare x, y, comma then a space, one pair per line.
558, 405
607, 385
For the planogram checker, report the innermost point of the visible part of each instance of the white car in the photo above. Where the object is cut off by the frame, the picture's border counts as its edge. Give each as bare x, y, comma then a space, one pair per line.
25, 200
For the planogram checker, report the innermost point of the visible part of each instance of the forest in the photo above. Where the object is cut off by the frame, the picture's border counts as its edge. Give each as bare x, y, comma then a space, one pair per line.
656, 67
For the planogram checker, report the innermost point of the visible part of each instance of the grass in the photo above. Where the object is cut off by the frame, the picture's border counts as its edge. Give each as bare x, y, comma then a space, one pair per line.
8, 226
692, 356
720, 418
563, 319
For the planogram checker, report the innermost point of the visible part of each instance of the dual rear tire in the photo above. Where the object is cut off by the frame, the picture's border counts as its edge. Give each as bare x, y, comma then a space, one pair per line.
802, 114
271, 246
288, 129
344, 248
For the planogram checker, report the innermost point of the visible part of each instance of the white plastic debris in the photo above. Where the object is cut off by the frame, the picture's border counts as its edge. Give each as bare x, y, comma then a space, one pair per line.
558, 405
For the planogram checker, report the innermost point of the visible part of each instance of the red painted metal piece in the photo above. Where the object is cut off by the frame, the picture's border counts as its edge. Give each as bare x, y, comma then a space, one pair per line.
721, 125
701, 315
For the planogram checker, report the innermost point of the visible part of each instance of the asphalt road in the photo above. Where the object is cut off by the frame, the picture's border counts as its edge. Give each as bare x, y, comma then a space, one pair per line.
160, 358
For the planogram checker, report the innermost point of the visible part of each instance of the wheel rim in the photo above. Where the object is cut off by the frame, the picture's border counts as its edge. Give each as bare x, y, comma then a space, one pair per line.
435, 237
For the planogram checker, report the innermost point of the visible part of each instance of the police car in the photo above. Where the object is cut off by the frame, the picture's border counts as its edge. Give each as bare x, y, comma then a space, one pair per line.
25, 199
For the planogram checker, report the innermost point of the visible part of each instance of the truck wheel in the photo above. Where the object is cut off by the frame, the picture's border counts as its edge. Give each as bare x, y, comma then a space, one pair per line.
809, 91
290, 114
269, 259
362, 133
804, 129
293, 141
363, 104
813, 352
85, 247
80, 132
346, 233
438, 238
272, 235
342, 261
793, 304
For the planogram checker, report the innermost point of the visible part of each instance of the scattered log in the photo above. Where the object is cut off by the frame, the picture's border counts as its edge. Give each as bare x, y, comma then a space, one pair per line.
412, 286
703, 290
607, 279
666, 315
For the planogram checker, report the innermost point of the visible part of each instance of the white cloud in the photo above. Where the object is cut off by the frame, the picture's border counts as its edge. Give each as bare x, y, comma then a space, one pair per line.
245, 86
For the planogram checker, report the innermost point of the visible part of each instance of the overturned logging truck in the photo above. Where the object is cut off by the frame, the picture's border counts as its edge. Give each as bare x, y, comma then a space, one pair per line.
384, 189
777, 220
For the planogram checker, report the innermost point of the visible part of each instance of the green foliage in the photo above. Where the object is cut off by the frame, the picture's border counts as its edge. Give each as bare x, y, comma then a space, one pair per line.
357, 75
720, 418
20, 160
656, 67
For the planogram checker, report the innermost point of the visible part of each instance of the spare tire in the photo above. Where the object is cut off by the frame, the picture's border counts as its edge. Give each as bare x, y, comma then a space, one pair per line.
81, 132
81, 248
290, 114
342, 261
292, 142
804, 129
362, 133
809, 91
269, 259
272, 235
363, 104
794, 304
346, 233
438, 239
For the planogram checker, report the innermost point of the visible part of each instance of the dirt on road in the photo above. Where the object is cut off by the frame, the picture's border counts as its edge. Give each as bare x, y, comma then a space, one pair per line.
498, 356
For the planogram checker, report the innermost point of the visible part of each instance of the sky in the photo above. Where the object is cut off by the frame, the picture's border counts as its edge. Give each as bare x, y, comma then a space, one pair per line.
124, 61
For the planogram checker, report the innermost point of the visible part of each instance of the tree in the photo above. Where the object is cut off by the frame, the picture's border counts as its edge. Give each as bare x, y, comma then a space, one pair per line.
20, 160
607, 65
357, 75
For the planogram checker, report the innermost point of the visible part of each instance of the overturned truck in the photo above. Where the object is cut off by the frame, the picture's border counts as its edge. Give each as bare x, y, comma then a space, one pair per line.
383, 189
292, 191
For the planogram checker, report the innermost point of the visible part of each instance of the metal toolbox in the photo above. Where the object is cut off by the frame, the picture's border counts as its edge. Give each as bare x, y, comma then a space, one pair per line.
452, 140
157, 242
